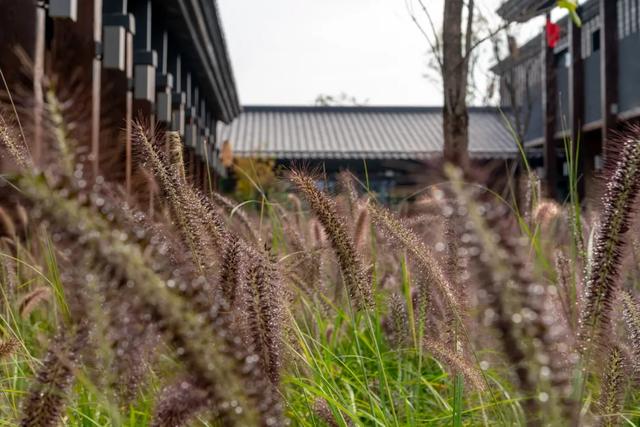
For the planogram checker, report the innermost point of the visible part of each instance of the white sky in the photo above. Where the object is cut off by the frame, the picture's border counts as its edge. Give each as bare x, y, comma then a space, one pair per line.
290, 51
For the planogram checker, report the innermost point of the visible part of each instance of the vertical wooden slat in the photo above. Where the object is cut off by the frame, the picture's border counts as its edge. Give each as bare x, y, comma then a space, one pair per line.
549, 105
609, 70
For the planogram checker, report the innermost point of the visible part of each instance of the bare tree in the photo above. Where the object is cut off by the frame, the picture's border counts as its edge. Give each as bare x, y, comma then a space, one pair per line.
455, 70
452, 51
452, 56
324, 100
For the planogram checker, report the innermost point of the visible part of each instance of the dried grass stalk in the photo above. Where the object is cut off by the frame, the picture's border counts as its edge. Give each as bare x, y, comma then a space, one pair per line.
46, 399
604, 269
410, 242
353, 271
611, 390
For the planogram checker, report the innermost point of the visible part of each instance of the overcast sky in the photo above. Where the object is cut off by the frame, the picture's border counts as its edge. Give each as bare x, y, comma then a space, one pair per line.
290, 51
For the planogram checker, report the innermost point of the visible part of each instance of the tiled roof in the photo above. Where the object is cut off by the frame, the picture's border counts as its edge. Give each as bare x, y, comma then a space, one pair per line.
523, 10
359, 133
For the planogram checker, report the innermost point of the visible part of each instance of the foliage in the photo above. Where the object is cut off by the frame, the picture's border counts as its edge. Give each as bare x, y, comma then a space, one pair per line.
253, 174
319, 309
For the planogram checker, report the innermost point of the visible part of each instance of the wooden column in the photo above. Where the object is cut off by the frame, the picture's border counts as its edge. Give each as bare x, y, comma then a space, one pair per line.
576, 99
164, 80
608, 69
549, 106
145, 63
38, 75
96, 72
128, 117
118, 31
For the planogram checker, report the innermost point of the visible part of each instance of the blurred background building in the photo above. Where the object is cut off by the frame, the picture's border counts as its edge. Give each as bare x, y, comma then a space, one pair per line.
165, 61
573, 82
386, 146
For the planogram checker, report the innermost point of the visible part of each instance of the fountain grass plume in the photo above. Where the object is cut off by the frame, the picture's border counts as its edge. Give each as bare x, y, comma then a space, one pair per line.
46, 400
456, 362
263, 309
7, 225
347, 186
351, 265
322, 410
231, 270
566, 289
32, 300
397, 321
427, 263
8, 346
361, 227
176, 157
612, 386
65, 145
13, 143
631, 316
171, 188
603, 272
179, 403
238, 213
207, 346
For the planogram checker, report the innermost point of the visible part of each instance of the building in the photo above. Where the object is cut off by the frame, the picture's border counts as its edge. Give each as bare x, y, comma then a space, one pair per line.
391, 143
163, 60
583, 89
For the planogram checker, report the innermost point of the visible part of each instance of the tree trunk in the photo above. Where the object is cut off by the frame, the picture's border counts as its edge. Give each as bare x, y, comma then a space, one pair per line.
455, 68
456, 136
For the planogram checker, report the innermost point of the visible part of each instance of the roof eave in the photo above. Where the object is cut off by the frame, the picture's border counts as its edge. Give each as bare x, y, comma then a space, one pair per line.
524, 10
201, 20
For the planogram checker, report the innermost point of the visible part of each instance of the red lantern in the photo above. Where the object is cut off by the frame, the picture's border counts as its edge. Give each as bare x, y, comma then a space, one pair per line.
553, 33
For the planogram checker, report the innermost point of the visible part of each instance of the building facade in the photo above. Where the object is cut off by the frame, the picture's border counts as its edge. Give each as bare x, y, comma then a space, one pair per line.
388, 147
165, 62
582, 91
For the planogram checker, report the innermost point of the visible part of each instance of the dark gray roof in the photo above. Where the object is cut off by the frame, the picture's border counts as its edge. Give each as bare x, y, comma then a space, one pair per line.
524, 10
358, 133
198, 32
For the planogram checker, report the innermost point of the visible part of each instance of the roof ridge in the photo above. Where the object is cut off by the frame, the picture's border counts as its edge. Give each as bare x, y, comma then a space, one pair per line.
356, 108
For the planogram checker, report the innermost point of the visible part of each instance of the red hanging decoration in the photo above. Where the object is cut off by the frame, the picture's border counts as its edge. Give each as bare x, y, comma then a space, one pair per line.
553, 33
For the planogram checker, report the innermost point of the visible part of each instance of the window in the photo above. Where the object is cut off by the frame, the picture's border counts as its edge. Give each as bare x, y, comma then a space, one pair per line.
595, 41
563, 58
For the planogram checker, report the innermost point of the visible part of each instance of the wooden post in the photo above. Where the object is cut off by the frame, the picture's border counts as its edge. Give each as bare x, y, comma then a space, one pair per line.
118, 31
38, 75
549, 106
145, 63
576, 100
608, 70
128, 112
96, 71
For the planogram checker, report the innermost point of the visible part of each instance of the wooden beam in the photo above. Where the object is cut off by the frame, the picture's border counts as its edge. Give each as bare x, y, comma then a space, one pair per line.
608, 70
549, 106
576, 98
